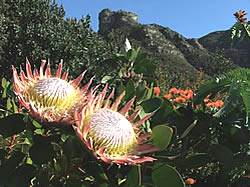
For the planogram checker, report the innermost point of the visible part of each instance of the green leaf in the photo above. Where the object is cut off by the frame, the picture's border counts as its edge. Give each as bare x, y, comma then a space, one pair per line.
245, 94
105, 79
134, 177
42, 153
190, 127
194, 161
131, 55
36, 124
7, 168
130, 90
11, 125
231, 99
5, 85
164, 175
9, 104
39, 131
161, 136
140, 91
150, 91
151, 105
223, 154
3, 154
163, 112
22, 175
15, 108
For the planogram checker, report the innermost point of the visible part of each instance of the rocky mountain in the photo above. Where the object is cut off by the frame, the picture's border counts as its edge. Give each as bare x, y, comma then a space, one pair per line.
176, 55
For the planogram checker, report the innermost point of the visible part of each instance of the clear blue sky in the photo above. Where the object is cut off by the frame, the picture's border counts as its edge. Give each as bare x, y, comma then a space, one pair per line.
191, 18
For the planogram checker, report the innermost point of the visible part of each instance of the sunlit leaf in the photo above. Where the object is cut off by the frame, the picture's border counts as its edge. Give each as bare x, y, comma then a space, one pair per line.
161, 136
164, 175
105, 79
190, 127
134, 177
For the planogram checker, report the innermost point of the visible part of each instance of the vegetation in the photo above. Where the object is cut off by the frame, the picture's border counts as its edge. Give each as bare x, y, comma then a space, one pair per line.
202, 134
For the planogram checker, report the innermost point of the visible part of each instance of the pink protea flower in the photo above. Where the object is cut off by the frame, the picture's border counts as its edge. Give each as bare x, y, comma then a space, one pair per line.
112, 135
50, 98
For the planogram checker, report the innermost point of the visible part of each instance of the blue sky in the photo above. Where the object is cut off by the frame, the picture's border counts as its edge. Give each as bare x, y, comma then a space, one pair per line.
191, 18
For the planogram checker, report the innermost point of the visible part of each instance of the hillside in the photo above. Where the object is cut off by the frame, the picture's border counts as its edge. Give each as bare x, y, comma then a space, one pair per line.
175, 54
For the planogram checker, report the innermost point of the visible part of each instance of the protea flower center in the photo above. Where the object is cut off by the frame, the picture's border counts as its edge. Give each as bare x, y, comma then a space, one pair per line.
52, 92
112, 130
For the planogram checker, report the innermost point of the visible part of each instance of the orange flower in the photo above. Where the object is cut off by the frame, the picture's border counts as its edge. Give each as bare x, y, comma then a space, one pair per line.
190, 181
188, 94
157, 91
240, 16
210, 104
173, 91
207, 99
168, 96
219, 104
181, 92
216, 104
179, 100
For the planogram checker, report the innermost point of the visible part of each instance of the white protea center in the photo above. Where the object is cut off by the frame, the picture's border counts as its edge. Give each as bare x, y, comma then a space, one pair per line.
52, 92
54, 87
112, 130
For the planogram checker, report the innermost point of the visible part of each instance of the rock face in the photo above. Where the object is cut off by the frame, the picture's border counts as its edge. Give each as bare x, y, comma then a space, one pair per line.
177, 54
109, 19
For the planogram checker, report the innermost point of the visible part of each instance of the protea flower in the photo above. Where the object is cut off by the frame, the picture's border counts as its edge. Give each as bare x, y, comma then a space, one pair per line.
50, 98
112, 135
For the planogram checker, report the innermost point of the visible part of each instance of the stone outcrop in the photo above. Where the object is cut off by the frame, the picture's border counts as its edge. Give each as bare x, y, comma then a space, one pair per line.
109, 19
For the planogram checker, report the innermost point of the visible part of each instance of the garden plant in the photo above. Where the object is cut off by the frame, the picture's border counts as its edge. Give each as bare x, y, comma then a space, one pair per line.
73, 122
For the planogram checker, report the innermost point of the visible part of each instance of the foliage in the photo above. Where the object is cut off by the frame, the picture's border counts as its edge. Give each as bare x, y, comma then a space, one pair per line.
37, 30
199, 145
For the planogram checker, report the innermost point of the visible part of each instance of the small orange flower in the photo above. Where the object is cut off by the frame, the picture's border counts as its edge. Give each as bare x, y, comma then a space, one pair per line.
179, 100
207, 99
168, 96
182, 92
190, 181
240, 16
219, 103
173, 91
157, 91
210, 104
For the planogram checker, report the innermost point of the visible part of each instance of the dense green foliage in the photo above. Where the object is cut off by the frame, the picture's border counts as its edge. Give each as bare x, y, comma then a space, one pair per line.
37, 30
208, 145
